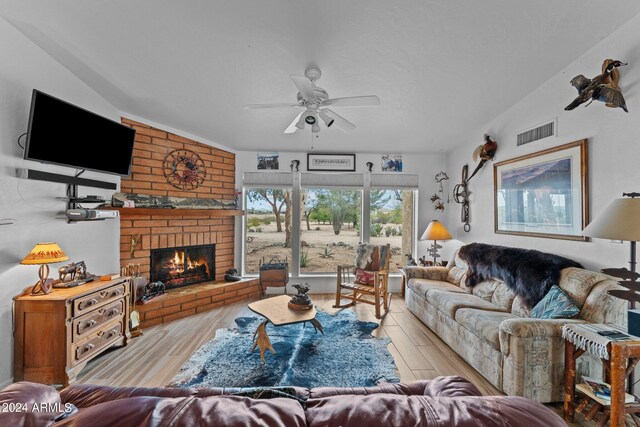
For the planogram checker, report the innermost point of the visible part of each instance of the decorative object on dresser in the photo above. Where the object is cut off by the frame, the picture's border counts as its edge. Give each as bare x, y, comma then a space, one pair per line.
57, 334
43, 254
74, 274
603, 87
435, 231
543, 194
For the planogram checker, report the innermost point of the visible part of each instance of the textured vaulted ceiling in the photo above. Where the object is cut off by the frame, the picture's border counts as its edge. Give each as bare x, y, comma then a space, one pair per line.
441, 68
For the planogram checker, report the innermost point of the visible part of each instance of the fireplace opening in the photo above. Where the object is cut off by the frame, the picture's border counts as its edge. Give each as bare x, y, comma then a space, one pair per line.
181, 266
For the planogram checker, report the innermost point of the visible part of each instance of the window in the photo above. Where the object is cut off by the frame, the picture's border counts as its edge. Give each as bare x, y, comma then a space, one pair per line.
391, 213
330, 228
268, 226
324, 217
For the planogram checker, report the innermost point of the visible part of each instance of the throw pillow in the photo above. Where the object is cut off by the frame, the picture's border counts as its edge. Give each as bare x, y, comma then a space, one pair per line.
555, 305
364, 277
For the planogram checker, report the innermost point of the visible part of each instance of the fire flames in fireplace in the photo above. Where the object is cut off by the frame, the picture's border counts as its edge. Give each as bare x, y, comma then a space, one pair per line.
183, 266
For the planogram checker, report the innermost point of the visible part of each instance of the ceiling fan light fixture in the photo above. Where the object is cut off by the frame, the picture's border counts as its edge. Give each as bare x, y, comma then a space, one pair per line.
310, 119
325, 118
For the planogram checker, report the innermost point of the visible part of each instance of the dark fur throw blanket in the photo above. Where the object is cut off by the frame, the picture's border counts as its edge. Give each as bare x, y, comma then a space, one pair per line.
528, 273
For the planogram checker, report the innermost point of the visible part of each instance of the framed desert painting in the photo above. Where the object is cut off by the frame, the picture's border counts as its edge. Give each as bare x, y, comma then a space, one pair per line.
543, 194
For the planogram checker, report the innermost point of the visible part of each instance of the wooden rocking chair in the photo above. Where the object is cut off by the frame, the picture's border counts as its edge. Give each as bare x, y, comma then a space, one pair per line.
368, 285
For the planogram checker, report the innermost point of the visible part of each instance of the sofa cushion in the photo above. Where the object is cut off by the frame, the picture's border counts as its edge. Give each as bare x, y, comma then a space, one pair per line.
555, 305
456, 275
422, 286
484, 324
410, 411
485, 289
37, 405
503, 296
450, 302
519, 307
578, 282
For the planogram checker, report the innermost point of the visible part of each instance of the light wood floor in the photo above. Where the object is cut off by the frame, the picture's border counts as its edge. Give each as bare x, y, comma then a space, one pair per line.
152, 359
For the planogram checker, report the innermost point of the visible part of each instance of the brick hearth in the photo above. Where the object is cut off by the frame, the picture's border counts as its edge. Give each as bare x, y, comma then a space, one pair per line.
193, 299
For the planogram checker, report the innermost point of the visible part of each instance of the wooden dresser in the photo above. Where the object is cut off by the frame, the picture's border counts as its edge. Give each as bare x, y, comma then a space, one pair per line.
57, 334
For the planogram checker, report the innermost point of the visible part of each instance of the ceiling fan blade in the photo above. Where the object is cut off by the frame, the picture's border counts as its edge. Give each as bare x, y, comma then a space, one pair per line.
340, 121
304, 87
292, 127
354, 101
265, 106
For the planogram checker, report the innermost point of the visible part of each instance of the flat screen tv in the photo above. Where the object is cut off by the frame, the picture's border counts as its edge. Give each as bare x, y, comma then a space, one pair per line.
64, 134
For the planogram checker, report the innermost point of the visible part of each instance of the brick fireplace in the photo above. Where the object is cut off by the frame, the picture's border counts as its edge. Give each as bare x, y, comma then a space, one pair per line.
166, 229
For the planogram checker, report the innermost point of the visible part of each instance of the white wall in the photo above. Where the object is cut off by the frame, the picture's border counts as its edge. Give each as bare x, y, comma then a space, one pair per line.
614, 149
33, 204
423, 165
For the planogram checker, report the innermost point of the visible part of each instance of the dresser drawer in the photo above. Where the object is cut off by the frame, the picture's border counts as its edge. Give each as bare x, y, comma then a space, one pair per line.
89, 322
97, 340
87, 303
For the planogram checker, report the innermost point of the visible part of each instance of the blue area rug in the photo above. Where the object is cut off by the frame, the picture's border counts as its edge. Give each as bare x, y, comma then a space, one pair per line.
346, 355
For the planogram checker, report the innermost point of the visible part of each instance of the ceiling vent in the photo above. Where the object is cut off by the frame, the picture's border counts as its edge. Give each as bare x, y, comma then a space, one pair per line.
539, 132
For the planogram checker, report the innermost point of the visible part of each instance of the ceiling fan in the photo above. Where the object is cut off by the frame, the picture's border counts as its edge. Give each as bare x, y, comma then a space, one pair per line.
316, 103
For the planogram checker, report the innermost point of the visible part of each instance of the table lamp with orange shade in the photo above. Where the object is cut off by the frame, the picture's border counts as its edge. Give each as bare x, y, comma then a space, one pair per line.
43, 254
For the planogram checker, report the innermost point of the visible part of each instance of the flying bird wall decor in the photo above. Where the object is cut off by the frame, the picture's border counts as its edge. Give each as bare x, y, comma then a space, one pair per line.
603, 87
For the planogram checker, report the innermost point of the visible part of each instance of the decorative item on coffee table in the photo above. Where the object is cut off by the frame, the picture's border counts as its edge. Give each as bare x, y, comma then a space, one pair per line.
301, 300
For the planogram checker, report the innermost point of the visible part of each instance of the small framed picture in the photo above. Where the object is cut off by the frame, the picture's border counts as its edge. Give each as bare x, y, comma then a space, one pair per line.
268, 161
392, 163
331, 162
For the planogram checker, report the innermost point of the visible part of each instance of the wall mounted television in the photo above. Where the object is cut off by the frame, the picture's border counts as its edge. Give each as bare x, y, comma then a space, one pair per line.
64, 134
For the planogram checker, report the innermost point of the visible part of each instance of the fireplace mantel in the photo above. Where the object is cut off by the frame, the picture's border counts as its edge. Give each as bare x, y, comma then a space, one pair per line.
211, 213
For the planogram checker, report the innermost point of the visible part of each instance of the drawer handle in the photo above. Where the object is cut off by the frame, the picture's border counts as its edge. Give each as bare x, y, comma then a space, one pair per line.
112, 312
90, 324
112, 333
88, 347
115, 293
89, 303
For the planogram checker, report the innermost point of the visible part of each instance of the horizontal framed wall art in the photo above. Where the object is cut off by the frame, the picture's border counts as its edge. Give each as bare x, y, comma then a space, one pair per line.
331, 162
543, 194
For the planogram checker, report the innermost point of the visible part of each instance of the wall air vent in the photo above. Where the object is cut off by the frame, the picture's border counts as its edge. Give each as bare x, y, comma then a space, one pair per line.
539, 132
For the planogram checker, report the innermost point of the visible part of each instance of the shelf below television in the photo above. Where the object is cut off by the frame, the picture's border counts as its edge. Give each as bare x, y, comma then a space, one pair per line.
212, 213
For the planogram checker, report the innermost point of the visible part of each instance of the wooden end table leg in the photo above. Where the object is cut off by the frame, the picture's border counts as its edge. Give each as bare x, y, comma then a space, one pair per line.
569, 380
261, 340
618, 377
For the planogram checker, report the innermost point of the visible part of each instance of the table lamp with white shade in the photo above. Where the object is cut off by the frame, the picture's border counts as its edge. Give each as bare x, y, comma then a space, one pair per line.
435, 231
43, 254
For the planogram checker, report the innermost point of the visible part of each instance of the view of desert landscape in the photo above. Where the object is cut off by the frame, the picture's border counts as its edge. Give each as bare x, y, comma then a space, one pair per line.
322, 251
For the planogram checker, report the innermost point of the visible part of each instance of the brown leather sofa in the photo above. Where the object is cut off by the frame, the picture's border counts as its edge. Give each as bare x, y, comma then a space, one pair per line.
444, 401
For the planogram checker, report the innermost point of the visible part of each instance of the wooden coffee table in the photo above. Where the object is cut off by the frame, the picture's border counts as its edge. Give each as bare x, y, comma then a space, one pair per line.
277, 311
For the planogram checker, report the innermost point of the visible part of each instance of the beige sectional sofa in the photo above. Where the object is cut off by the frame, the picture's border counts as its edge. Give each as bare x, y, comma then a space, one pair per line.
489, 326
